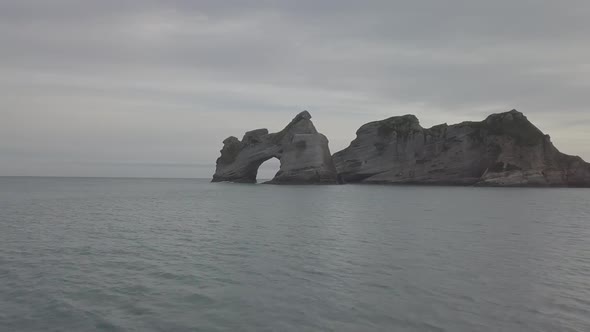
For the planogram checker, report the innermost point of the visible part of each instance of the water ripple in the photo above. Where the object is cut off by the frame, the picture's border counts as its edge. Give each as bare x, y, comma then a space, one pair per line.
187, 255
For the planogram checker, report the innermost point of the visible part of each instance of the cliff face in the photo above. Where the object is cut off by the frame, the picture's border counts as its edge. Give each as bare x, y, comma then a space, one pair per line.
503, 150
303, 153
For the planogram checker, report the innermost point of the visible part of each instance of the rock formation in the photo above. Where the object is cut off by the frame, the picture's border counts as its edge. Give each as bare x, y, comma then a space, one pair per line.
303, 153
503, 150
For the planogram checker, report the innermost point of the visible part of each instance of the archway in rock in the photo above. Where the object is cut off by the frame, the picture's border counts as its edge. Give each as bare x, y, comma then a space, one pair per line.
268, 169
303, 152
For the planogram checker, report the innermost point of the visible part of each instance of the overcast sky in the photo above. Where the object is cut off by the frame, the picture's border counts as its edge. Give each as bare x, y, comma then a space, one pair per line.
151, 88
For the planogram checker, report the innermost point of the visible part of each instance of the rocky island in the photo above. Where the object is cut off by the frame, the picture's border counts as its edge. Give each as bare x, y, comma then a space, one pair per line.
303, 153
505, 149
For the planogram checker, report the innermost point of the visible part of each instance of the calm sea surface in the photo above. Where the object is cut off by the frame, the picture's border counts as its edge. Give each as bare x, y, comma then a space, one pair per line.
188, 255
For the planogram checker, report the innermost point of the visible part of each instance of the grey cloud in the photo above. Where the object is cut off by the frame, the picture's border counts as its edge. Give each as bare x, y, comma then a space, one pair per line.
146, 81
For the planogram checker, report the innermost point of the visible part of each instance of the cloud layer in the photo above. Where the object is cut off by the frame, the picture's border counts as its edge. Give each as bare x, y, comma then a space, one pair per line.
151, 88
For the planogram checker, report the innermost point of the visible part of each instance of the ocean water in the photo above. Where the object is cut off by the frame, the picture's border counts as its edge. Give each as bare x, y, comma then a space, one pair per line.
188, 255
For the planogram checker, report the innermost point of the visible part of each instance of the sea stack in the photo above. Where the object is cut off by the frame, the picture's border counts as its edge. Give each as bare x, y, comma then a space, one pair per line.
303, 153
503, 150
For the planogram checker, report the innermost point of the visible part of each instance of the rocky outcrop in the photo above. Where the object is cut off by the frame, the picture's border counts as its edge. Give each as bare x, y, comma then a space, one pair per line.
303, 153
503, 150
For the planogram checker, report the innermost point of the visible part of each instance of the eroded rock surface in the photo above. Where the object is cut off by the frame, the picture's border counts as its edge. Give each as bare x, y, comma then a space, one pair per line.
303, 153
503, 150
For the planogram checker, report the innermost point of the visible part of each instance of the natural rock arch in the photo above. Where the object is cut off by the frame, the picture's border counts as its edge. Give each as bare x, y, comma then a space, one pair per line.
303, 153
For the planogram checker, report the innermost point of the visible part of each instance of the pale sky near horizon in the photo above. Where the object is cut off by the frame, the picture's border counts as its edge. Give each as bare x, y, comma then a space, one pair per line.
152, 88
